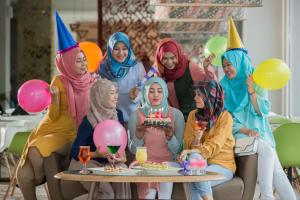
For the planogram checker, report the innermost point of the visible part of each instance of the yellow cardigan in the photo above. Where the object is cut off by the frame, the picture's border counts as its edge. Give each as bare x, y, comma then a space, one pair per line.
217, 143
56, 129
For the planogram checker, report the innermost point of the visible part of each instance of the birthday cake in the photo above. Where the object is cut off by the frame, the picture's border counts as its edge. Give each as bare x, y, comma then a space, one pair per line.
162, 122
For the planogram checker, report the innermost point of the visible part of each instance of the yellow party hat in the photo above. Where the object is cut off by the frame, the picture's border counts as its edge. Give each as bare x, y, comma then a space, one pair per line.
233, 38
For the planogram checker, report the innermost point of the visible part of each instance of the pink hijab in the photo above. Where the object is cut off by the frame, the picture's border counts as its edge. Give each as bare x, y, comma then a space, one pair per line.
77, 86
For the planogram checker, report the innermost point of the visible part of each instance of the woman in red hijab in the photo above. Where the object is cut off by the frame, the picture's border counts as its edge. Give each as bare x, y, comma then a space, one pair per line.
181, 74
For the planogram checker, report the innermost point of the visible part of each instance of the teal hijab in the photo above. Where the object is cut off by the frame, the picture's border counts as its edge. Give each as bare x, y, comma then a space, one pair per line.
237, 100
146, 105
236, 95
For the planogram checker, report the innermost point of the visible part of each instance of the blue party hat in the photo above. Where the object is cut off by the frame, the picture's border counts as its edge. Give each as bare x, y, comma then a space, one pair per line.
65, 39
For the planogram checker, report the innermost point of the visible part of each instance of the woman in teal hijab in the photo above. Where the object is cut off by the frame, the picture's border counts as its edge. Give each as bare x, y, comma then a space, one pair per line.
163, 143
249, 107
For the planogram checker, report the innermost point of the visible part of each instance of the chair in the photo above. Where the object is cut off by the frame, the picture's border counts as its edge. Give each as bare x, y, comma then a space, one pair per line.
15, 149
241, 187
277, 121
287, 138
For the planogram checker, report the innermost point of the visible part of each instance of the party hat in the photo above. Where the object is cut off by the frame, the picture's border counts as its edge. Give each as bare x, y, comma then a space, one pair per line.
65, 39
233, 38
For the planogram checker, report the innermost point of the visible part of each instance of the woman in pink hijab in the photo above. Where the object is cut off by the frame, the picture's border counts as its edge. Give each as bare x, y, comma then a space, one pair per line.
70, 97
180, 74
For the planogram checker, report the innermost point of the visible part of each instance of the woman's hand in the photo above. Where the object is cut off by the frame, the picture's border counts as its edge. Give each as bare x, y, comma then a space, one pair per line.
133, 93
183, 155
54, 91
252, 133
118, 158
140, 132
198, 135
98, 154
208, 60
249, 83
169, 132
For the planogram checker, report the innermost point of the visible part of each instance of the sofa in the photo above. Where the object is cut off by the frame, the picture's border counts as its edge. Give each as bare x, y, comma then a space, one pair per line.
241, 187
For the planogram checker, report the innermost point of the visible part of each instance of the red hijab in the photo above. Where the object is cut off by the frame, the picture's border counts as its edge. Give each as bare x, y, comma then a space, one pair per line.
77, 86
170, 45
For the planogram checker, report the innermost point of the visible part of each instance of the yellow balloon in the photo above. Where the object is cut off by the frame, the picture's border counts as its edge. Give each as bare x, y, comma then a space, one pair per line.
272, 74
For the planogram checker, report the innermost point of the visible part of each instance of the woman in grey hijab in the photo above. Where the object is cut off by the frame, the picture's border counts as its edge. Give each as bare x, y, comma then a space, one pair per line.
103, 101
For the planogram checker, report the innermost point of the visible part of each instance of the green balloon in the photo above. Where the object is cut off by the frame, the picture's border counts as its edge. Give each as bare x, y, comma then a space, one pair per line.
216, 45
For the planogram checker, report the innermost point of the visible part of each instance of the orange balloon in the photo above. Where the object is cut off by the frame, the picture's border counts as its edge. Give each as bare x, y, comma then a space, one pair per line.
93, 55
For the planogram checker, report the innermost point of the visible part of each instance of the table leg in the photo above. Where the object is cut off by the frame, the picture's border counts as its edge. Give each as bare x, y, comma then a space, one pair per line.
93, 187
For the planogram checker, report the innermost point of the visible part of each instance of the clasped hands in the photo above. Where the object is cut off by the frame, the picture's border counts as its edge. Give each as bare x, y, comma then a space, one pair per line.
118, 158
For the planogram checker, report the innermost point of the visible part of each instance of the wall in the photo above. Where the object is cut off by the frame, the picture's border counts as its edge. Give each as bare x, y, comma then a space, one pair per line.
295, 61
5, 15
262, 35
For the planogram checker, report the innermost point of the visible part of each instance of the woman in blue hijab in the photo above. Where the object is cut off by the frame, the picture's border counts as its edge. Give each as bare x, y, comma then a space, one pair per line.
249, 107
121, 66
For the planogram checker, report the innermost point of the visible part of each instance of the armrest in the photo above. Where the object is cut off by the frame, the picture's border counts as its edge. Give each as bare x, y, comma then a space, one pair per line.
247, 170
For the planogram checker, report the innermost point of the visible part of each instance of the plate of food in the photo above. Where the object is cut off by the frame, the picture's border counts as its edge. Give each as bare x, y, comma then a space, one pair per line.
154, 168
113, 170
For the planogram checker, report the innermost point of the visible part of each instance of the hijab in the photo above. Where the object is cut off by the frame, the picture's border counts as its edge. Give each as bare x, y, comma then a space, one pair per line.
212, 95
110, 68
99, 100
146, 105
170, 45
236, 89
77, 86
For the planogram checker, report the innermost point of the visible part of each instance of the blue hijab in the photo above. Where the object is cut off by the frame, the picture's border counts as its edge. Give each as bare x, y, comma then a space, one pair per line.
112, 69
237, 100
146, 105
236, 94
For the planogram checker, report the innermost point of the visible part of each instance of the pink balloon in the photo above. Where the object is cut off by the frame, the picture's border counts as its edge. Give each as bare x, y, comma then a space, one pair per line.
110, 132
34, 96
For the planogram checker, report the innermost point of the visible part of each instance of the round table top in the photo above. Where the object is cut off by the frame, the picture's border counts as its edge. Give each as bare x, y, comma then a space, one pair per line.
75, 176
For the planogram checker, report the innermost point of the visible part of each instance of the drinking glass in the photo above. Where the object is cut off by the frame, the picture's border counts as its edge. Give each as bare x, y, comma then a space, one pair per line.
141, 155
113, 149
84, 157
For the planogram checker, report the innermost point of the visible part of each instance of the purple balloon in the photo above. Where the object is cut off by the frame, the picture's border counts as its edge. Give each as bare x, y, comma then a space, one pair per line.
110, 133
34, 96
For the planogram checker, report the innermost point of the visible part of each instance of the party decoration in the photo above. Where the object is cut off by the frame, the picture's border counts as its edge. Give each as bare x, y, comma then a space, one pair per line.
93, 55
108, 134
151, 73
272, 74
65, 39
34, 96
233, 38
217, 46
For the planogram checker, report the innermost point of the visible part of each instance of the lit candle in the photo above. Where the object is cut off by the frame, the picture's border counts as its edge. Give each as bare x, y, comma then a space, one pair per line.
157, 113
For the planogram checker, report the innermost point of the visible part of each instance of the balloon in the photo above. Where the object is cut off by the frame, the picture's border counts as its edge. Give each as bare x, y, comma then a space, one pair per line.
34, 96
110, 132
216, 45
272, 74
93, 55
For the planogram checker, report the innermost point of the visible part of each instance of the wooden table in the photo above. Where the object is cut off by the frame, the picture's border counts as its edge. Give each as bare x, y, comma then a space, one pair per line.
95, 178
